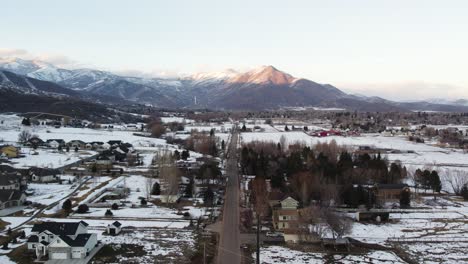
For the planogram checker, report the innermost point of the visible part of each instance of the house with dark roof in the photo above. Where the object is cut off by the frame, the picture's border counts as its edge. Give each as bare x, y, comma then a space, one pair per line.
114, 142
114, 228
11, 198
12, 181
55, 143
61, 240
76, 144
390, 193
35, 142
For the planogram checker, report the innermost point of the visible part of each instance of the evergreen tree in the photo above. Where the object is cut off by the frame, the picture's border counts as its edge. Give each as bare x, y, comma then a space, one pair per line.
185, 154
67, 205
405, 198
26, 122
286, 128
435, 182
176, 155
156, 190
464, 192
82, 209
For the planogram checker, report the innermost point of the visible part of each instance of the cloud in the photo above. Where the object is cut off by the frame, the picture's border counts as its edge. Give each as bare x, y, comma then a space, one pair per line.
411, 90
58, 60
7, 53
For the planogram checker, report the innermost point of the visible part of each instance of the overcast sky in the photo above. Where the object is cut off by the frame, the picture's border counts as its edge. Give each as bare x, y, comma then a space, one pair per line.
398, 49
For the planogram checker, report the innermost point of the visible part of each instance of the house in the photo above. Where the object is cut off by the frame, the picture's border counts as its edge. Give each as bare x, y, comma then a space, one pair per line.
275, 197
12, 181
76, 144
9, 151
390, 192
286, 214
62, 240
114, 228
43, 178
114, 142
105, 161
55, 143
36, 142
11, 198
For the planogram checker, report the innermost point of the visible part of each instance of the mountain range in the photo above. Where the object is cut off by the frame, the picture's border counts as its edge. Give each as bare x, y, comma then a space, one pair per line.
263, 88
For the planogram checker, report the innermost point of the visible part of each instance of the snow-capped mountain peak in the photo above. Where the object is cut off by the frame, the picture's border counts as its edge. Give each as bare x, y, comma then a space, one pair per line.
264, 75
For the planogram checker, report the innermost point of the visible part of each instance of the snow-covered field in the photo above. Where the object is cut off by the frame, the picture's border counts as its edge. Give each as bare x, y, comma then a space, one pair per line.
176, 119
47, 158
84, 134
279, 254
49, 193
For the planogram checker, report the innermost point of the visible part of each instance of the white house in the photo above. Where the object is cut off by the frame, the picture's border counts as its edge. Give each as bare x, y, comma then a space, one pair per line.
11, 198
114, 228
62, 240
55, 143
45, 178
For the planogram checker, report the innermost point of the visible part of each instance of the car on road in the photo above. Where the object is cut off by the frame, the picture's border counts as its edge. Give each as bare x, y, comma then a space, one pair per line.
273, 234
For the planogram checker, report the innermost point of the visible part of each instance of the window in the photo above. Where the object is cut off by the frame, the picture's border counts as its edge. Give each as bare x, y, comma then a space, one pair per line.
33, 246
43, 237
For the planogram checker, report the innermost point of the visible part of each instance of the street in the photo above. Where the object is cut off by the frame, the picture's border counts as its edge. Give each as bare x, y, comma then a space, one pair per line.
229, 246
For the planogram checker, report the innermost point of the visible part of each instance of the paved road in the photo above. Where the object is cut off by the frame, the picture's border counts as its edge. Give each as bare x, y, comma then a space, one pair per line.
229, 246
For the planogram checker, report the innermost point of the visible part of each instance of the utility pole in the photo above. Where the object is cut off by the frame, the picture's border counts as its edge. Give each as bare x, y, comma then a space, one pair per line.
258, 239
204, 252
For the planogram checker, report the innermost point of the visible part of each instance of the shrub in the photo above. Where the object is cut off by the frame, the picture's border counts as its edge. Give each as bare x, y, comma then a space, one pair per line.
464, 192
108, 213
82, 209
143, 201
115, 206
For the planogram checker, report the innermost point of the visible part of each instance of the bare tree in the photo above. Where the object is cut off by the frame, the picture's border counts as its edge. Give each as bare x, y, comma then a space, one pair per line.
310, 223
338, 224
283, 143
168, 173
457, 179
24, 136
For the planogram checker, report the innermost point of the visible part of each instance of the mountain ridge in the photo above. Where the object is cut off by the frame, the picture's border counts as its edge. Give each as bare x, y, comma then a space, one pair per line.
263, 88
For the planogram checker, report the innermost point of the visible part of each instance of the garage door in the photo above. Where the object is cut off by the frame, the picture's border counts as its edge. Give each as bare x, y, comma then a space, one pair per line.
76, 254
58, 255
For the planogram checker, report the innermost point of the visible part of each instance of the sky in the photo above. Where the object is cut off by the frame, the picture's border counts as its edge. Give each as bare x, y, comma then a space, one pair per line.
397, 49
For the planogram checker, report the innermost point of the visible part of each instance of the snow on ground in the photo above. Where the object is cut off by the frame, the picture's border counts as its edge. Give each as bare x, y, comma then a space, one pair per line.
14, 221
49, 193
176, 119
5, 260
84, 134
160, 246
93, 194
447, 221
47, 158
138, 188
278, 254
224, 127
